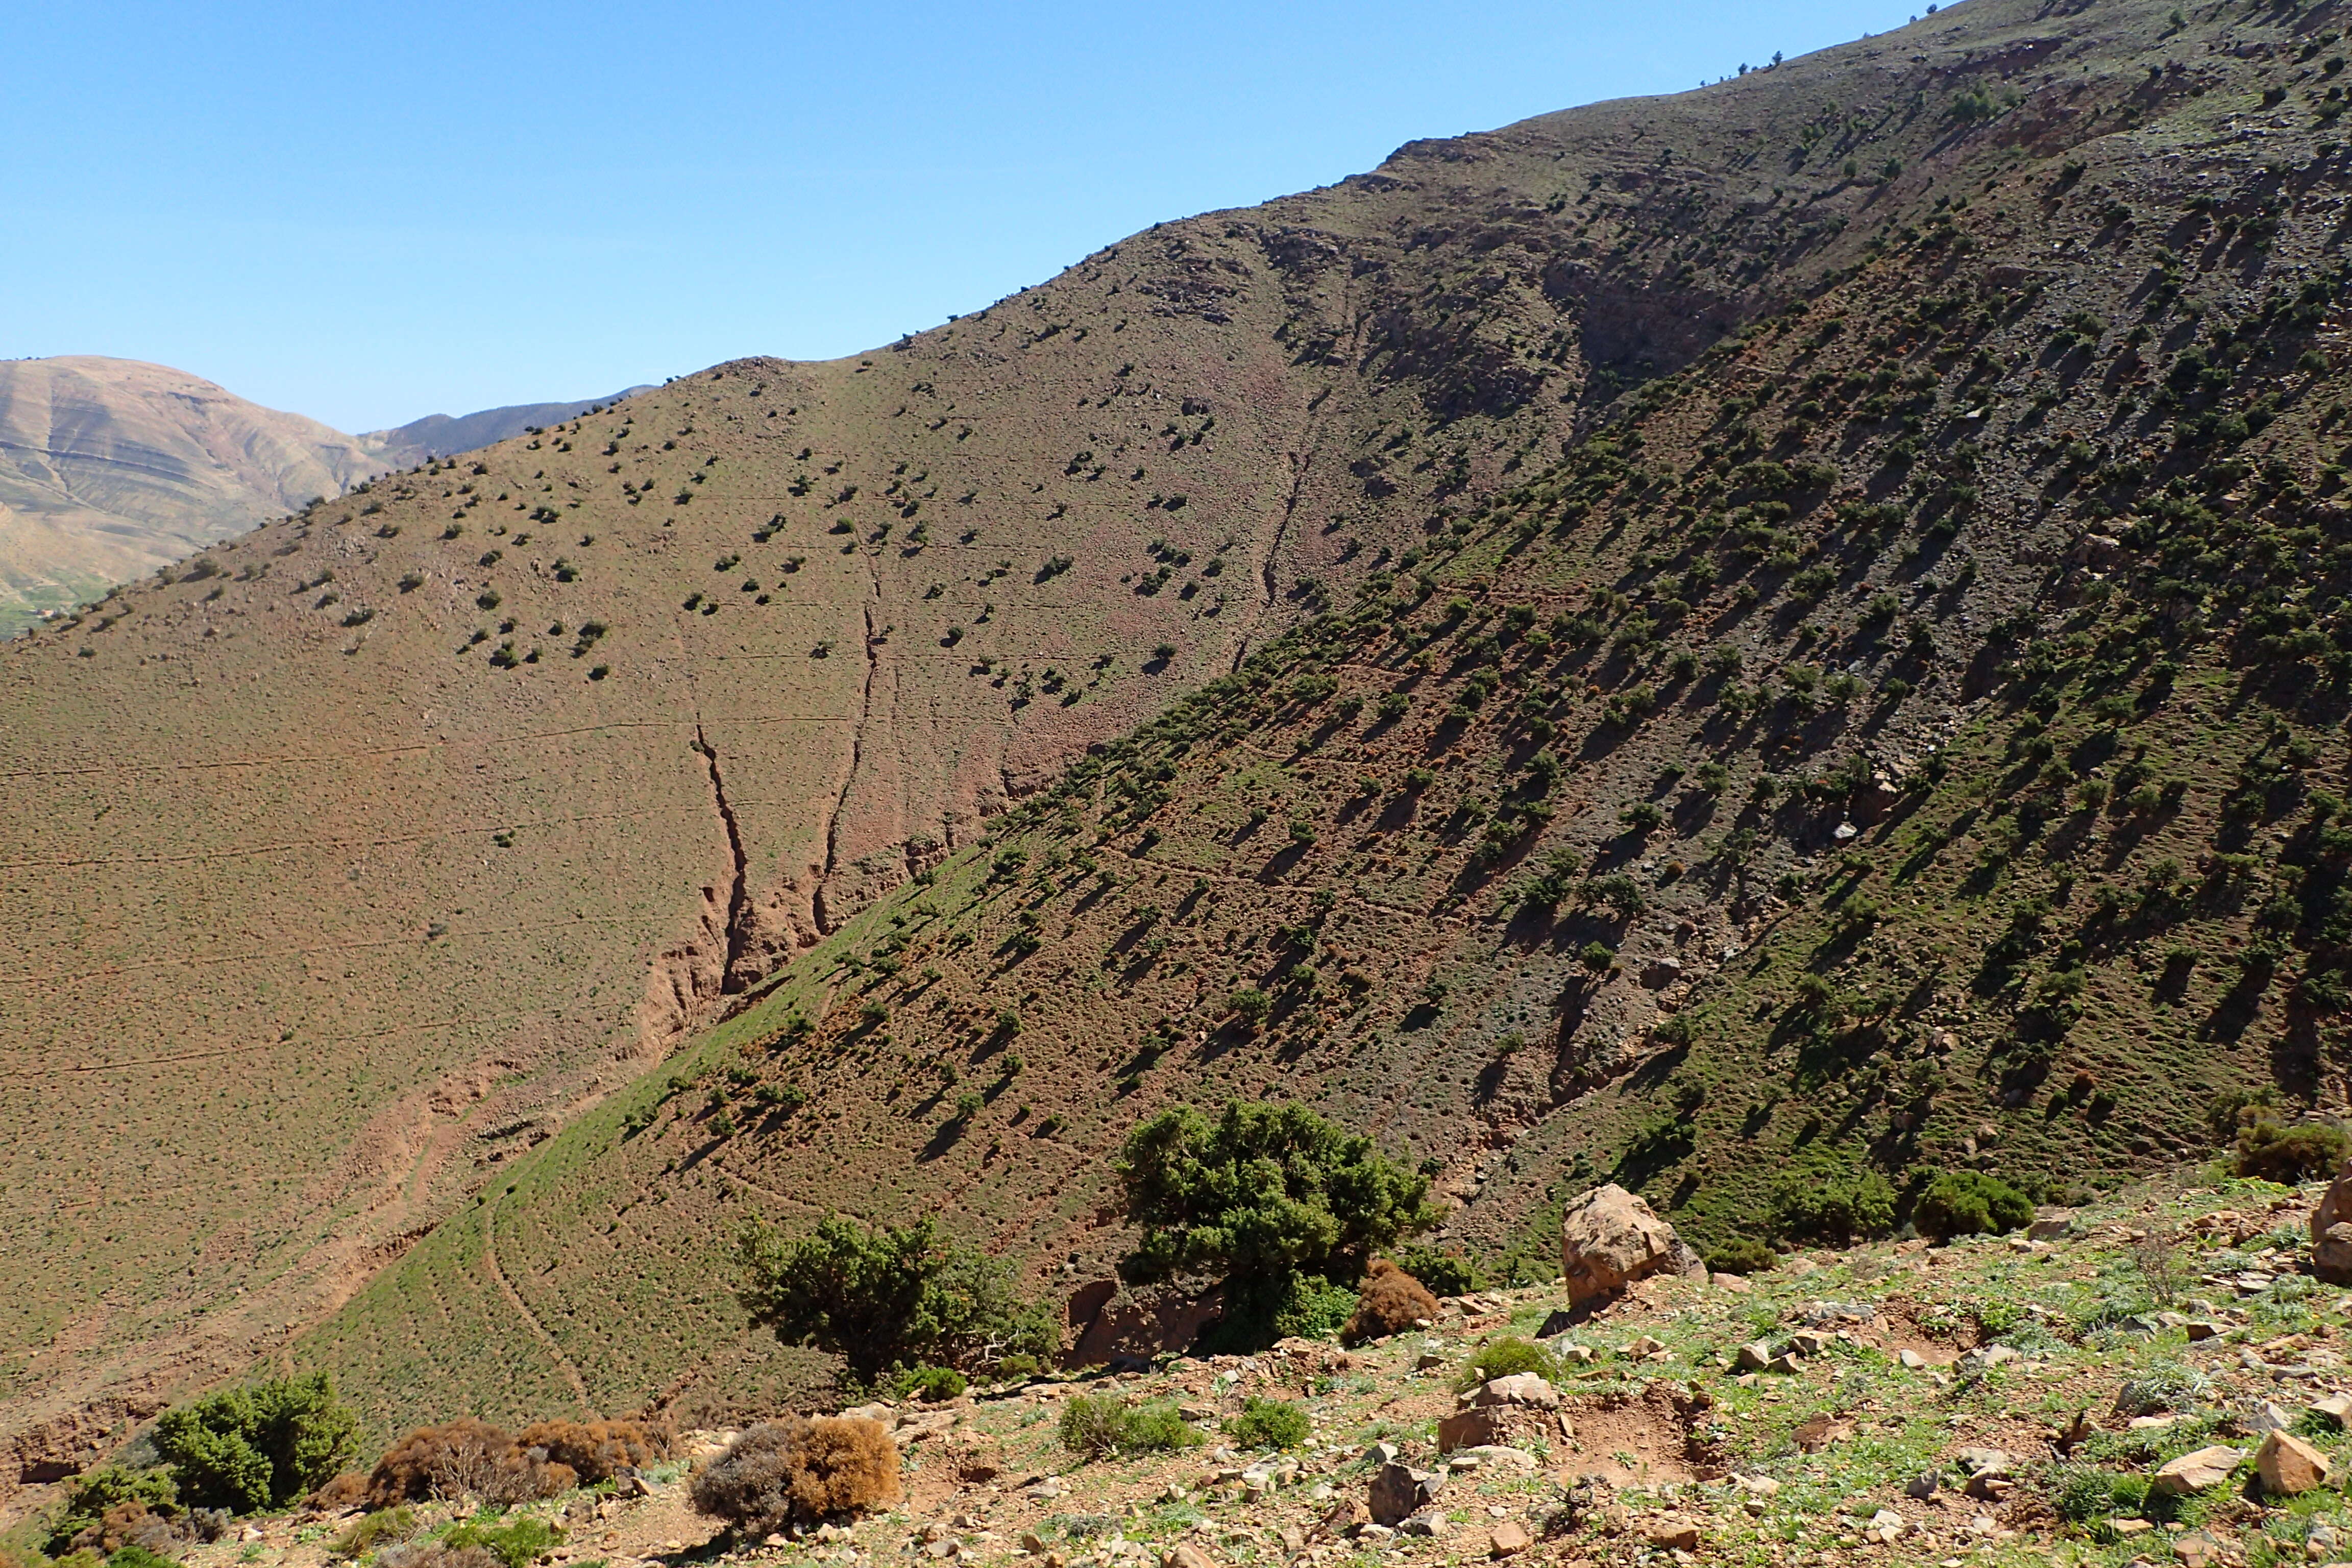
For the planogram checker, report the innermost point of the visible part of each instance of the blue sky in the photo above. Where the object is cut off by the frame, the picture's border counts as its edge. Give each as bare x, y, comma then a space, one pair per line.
368, 214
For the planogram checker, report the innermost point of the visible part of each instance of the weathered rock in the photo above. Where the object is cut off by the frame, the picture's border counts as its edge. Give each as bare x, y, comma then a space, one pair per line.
1507, 1539
2288, 1466
1186, 1555
1346, 1516
2195, 1472
2269, 1418
2337, 1407
1399, 1491
2331, 1252
1470, 1429
1671, 1533
1431, 1523
1609, 1238
1519, 1388
1755, 1355
1500, 1457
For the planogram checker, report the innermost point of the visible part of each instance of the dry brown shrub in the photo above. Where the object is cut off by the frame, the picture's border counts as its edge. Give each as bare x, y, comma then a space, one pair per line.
597, 1448
798, 1471
464, 1457
348, 1490
1389, 1302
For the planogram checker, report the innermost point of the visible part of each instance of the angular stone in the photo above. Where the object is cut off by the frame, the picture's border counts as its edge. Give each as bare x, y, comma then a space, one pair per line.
1671, 1533
2269, 1418
2196, 1472
1519, 1388
1609, 1238
1469, 1429
2337, 1407
1346, 1516
1507, 1539
1426, 1524
1399, 1492
1755, 1355
1186, 1555
2288, 1466
2331, 1253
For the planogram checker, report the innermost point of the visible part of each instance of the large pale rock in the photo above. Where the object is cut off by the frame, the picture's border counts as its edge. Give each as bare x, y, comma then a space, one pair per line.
1399, 1492
2331, 1233
2289, 1466
2197, 1472
1519, 1388
1609, 1238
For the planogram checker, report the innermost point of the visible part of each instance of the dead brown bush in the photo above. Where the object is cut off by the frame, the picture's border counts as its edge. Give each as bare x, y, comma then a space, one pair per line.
348, 1490
1389, 1302
597, 1448
798, 1471
464, 1457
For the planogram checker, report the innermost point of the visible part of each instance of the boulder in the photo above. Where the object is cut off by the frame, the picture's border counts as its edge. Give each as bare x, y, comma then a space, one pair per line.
1671, 1533
2337, 1407
2331, 1251
1507, 1539
2288, 1466
1519, 1388
1399, 1491
1610, 1237
2196, 1472
1473, 1428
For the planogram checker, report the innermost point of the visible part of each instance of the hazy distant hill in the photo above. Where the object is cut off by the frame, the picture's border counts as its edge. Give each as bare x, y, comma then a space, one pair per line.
438, 435
110, 467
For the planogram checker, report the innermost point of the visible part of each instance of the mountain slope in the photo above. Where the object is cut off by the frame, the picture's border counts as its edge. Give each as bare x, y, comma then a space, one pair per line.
1907, 736
440, 434
110, 468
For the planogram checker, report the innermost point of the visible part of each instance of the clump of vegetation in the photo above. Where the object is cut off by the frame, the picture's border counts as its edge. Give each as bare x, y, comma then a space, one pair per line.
1969, 1203
797, 1471
1391, 1302
518, 1542
1741, 1255
2306, 1152
1508, 1357
936, 1384
385, 1527
1268, 1424
257, 1447
1095, 1429
1277, 1201
1446, 1273
464, 1458
891, 1295
113, 1506
596, 1450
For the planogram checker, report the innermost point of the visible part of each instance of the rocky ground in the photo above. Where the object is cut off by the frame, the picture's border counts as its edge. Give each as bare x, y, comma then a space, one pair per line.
2097, 1390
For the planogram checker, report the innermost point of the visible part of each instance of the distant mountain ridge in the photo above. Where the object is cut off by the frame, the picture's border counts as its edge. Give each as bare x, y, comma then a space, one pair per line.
439, 435
110, 468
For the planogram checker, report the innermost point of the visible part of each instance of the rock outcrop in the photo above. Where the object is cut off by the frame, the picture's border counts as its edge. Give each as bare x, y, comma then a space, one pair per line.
1610, 1237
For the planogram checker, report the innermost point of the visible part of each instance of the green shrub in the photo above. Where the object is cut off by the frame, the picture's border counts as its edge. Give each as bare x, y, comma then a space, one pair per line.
133, 1555
520, 1542
1268, 1197
2309, 1151
371, 1531
2084, 1494
932, 1382
1832, 1203
1268, 1424
1095, 1427
88, 1497
1317, 1310
1446, 1273
257, 1447
1507, 1357
1969, 1203
1741, 1255
880, 1298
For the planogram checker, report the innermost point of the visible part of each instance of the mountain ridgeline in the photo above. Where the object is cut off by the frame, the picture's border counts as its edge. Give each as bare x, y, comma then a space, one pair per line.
1758, 644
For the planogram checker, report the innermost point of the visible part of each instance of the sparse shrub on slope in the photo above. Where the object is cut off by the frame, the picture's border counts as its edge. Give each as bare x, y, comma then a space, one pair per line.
2308, 1152
1094, 1427
888, 1296
1391, 1302
1268, 1424
1508, 1357
259, 1447
594, 1449
462, 1459
798, 1471
1969, 1203
93, 1499
517, 1544
372, 1532
1268, 1197
434, 1554
1445, 1273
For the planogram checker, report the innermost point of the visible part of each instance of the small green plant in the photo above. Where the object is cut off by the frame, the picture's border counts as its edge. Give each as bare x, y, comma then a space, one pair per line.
1969, 1203
1508, 1357
378, 1529
1446, 1273
1095, 1429
520, 1542
936, 1384
1268, 1424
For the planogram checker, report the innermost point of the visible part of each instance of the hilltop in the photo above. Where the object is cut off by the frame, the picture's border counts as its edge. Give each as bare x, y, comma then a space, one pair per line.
441, 436
1761, 644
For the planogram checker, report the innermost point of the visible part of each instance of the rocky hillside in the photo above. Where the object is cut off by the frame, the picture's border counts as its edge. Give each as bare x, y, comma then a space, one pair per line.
110, 468
1760, 644
1903, 734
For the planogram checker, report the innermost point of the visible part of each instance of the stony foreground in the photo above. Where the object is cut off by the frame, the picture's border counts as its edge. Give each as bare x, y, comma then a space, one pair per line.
2109, 1389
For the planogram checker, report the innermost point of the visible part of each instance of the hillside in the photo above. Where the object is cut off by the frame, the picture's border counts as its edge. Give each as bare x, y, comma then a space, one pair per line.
442, 435
1899, 728
110, 468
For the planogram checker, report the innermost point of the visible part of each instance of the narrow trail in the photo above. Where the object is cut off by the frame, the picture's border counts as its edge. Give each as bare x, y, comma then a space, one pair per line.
523, 1310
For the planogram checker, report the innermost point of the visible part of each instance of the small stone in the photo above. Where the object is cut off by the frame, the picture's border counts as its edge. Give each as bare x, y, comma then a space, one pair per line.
1425, 1524
1809, 1341
1034, 1543
2288, 1466
1755, 1355
1785, 1364
1671, 1533
1428, 1360
1347, 1517
1922, 1486
1383, 1454
1507, 1539
1912, 1361
1762, 1486
2196, 1472
1885, 1524
1521, 1388
1644, 1346
2269, 1418
1374, 1533
2195, 1551
1293, 1538
2337, 1407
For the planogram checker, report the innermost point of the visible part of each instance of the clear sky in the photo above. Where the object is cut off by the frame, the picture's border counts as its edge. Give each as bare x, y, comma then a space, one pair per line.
371, 213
